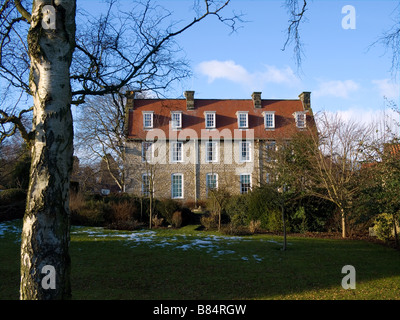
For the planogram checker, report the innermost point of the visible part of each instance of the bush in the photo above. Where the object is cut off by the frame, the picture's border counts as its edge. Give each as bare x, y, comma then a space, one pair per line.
177, 219
182, 218
254, 226
157, 222
87, 217
123, 211
299, 220
88, 210
76, 201
235, 230
166, 208
237, 210
384, 226
209, 221
275, 223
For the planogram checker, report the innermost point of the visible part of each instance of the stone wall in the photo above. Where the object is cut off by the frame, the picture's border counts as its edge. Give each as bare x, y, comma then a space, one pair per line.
194, 168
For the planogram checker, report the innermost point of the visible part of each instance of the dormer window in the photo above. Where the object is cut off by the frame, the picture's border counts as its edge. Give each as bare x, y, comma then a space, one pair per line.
148, 119
243, 119
176, 119
269, 119
210, 119
300, 118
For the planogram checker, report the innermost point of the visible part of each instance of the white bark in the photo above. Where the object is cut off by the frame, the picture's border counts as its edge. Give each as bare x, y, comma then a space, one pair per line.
45, 234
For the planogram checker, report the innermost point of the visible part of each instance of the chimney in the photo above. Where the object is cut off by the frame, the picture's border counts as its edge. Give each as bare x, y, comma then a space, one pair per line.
256, 99
189, 95
129, 106
305, 98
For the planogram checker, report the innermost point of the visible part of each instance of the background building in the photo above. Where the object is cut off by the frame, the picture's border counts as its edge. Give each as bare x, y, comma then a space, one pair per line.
181, 148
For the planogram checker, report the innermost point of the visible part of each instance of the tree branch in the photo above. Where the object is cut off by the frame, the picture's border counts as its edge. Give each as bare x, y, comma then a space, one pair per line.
25, 14
17, 122
293, 34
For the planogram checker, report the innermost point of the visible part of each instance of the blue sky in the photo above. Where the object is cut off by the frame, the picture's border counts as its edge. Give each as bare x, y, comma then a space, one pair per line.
339, 67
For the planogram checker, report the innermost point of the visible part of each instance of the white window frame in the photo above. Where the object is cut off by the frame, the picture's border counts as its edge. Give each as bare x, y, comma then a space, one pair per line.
246, 114
146, 191
300, 123
175, 156
214, 150
242, 191
176, 123
272, 114
248, 153
173, 196
151, 114
147, 153
214, 119
208, 175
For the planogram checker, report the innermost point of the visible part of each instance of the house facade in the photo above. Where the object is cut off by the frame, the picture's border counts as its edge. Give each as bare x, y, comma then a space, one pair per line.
183, 148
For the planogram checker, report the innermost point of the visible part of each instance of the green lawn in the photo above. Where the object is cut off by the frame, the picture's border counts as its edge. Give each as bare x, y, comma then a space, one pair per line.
190, 264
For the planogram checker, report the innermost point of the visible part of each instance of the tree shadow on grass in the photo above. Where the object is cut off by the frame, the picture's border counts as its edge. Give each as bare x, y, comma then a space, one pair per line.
308, 269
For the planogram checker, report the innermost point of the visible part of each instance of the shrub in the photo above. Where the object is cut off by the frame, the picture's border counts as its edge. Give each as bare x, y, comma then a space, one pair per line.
76, 201
384, 226
86, 211
123, 214
299, 220
89, 215
237, 210
235, 230
182, 217
156, 221
275, 222
254, 226
209, 221
177, 219
124, 225
123, 211
166, 208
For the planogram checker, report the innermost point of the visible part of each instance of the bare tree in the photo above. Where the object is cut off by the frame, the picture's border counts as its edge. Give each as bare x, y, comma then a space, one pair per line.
100, 134
333, 161
45, 57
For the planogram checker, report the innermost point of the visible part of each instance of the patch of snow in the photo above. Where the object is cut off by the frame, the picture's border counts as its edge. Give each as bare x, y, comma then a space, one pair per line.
9, 227
257, 258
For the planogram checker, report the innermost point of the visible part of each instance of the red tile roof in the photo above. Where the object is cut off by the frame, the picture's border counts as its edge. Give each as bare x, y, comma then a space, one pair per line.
226, 117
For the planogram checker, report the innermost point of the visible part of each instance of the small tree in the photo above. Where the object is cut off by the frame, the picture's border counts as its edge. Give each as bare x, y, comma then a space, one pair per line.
282, 162
332, 161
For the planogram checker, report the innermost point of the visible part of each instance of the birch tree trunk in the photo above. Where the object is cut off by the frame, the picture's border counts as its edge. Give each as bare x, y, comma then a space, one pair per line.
45, 261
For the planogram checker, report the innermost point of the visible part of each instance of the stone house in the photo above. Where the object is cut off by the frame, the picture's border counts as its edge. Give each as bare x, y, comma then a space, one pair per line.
182, 148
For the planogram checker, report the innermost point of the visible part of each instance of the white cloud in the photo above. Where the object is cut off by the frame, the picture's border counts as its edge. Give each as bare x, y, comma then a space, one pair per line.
387, 88
274, 75
336, 88
231, 71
